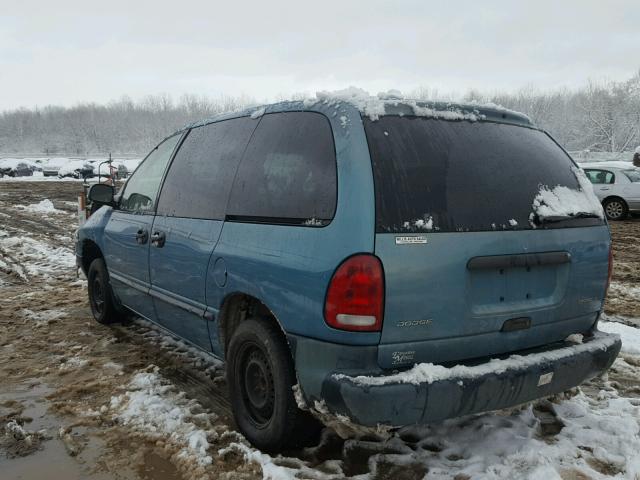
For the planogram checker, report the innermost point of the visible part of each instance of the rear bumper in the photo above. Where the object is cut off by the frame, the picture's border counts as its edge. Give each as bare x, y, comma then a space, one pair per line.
430, 393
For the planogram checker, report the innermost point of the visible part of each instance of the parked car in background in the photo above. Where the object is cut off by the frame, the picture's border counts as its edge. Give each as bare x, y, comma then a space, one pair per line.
76, 169
398, 265
617, 185
17, 167
51, 167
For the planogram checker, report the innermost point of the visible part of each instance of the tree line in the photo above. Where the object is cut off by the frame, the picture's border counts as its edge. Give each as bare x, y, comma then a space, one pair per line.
602, 116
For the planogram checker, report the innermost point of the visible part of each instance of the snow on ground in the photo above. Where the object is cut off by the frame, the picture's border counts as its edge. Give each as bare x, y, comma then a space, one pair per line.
630, 335
45, 317
36, 257
619, 289
44, 206
158, 335
154, 407
508, 446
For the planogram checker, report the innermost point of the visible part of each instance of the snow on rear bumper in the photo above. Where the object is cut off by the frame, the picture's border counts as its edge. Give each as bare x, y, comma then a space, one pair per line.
430, 393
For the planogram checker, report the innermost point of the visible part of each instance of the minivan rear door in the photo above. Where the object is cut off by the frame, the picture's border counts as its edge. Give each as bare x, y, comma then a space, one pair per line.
489, 236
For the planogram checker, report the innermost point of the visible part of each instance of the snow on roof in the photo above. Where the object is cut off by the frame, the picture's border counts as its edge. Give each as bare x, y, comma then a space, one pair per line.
375, 106
561, 201
74, 165
15, 162
637, 150
497, 107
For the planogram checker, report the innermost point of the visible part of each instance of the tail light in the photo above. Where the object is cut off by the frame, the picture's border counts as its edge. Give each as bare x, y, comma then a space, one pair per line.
610, 269
355, 296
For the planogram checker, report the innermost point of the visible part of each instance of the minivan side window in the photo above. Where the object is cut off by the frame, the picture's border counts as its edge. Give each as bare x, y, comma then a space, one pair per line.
288, 173
599, 177
141, 189
201, 174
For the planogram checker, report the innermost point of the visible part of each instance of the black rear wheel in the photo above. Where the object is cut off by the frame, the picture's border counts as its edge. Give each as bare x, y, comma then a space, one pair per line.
261, 376
101, 299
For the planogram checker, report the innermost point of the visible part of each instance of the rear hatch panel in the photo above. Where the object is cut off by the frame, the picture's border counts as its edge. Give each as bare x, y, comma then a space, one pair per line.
439, 310
491, 239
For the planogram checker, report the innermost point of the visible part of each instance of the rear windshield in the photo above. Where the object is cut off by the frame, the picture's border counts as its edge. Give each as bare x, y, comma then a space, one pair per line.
633, 175
445, 176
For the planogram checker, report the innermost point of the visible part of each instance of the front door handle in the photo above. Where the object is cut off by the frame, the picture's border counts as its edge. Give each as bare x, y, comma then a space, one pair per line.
142, 236
158, 239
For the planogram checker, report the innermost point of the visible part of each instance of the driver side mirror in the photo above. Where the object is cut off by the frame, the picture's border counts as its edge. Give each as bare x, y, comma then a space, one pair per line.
101, 193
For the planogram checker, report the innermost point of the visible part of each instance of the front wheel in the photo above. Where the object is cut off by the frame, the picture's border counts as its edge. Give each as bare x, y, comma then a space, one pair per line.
615, 209
101, 300
261, 376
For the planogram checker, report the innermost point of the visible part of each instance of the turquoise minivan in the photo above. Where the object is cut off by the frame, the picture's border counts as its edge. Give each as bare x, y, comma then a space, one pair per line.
378, 263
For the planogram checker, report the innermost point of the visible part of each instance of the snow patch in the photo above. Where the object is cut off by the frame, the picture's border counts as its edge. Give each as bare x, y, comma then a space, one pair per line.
561, 201
375, 106
154, 407
73, 363
43, 318
258, 113
312, 222
575, 338
45, 206
619, 289
429, 372
36, 257
419, 224
630, 336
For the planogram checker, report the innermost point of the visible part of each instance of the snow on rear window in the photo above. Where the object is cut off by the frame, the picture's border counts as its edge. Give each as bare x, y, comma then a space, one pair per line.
561, 201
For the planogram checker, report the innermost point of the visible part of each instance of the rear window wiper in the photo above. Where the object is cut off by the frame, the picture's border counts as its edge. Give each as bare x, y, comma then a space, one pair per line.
562, 218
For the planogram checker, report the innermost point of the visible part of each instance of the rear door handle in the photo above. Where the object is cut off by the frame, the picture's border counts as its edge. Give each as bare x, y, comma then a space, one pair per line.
605, 188
158, 239
142, 236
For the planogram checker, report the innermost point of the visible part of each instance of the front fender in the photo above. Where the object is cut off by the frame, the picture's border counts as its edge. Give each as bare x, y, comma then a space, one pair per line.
93, 231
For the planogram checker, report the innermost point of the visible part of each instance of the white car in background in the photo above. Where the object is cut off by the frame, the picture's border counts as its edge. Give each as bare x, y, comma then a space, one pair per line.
52, 166
617, 185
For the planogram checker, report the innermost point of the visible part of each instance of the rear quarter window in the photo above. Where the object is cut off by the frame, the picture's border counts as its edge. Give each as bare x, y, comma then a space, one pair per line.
288, 173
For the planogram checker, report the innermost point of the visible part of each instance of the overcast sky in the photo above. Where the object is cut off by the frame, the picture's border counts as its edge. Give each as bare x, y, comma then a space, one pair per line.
64, 52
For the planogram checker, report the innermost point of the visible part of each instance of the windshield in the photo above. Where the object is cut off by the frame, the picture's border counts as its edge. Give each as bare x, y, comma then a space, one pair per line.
445, 176
633, 175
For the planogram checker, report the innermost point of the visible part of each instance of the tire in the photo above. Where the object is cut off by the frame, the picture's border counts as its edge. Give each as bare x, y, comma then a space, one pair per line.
101, 299
615, 209
260, 376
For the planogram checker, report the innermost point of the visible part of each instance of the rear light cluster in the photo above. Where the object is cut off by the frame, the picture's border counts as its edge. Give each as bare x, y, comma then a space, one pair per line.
355, 297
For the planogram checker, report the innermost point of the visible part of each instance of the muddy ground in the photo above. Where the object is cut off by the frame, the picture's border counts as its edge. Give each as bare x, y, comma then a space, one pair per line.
59, 373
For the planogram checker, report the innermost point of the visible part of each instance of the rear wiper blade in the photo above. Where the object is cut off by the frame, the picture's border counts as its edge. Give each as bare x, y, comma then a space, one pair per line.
562, 218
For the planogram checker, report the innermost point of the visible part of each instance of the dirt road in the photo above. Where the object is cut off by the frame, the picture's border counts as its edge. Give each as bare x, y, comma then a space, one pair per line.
81, 400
